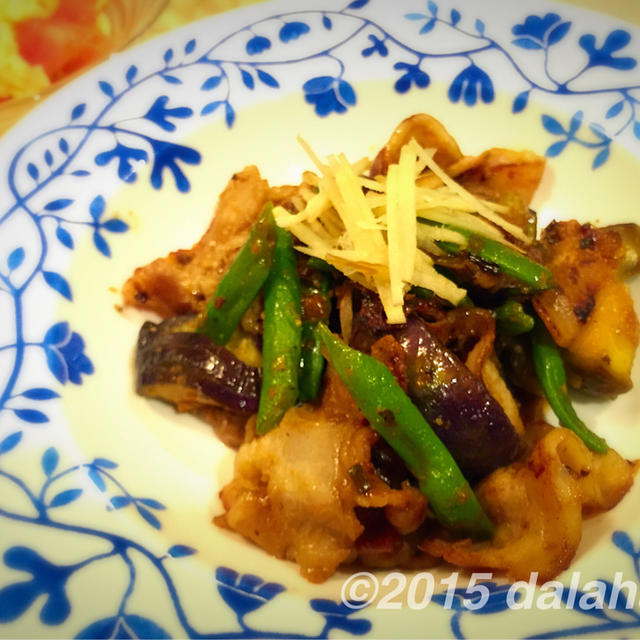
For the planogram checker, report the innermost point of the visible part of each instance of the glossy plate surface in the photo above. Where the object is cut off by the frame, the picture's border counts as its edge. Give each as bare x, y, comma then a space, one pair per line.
106, 498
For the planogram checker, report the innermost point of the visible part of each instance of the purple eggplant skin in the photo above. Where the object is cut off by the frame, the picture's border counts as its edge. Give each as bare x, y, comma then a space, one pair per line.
470, 423
188, 369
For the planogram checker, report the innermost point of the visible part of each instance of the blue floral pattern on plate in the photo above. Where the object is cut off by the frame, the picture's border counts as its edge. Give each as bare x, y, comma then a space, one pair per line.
44, 173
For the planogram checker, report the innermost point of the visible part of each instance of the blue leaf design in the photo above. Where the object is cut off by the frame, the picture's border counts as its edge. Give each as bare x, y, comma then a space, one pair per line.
109, 627
190, 46
105, 463
15, 599
520, 102
63, 145
80, 173
48, 157
168, 55
428, 26
455, 17
97, 207
117, 502
615, 109
149, 517
267, 78
211, 83
480, 26
415, 16
10, 442
558, 33
181, 551
636, 130
229, 114
358, 4
576, 122
57, 334
247, 78
58, 283
527, 43
257, 45
318, 85
32, 170
151, 503
601, 157
65, 497
78, 111
170, 79
132, 71
326, 23
31, 415
244, 593
433, 8
552, 125
338, 616
106, 88
97, 479
166, 156
50, 459
40, 393
293, 30
101, 245
56, 205
556, 148
115, 225
346, 92
56, 365
623, 541
15, 259
211, 107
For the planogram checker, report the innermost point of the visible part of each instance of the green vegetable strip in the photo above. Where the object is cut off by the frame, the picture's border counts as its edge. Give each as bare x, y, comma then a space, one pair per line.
312, 360
393, 415
510, 262
282, 335
242, 281
512, 319
553, 379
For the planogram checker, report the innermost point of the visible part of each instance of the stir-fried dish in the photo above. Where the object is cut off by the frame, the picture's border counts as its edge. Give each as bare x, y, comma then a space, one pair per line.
380, 343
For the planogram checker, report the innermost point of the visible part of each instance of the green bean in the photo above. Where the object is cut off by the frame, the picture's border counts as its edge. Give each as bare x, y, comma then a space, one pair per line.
242, 281
551, 373
282, 335
509, 261
312, 360
512, 319
392, 414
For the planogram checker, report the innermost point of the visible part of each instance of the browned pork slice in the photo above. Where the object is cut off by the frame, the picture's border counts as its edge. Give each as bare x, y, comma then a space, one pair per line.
295, 492
538, 507
183, 281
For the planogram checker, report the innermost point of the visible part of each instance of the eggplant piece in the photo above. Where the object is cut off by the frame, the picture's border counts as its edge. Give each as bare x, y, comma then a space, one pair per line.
189, 370
470, 423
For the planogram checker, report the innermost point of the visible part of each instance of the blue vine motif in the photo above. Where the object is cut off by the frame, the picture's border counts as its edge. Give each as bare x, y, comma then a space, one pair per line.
101, 141
242, 593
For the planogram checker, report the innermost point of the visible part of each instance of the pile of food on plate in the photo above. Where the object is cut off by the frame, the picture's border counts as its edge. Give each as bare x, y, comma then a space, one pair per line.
380, 343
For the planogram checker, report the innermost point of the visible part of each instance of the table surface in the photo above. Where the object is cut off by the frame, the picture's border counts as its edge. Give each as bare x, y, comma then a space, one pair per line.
180, 12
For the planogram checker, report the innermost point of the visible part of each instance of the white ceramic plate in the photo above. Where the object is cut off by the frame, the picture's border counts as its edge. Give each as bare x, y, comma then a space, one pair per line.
106, 498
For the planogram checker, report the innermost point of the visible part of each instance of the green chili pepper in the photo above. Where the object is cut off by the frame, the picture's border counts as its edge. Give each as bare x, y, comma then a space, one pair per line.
512, 319
242, 281
312, 360
553, 380
282, 335
392, 414
510, 262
